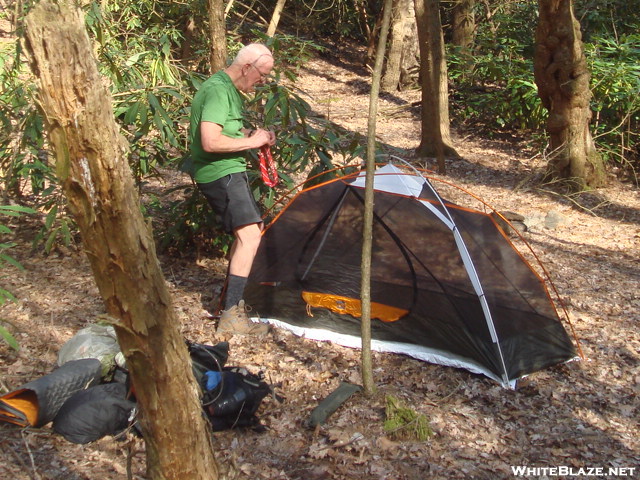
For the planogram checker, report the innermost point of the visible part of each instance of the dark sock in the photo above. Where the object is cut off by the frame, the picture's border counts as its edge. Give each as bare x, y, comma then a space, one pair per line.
235, 290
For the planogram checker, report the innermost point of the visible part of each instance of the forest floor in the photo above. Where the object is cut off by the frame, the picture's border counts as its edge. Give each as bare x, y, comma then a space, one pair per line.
582, 415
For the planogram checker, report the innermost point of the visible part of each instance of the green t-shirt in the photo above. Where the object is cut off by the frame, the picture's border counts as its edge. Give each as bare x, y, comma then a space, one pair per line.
217, 101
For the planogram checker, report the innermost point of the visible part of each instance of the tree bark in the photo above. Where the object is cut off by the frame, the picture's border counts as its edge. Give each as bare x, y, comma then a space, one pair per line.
436, 137
372, 39
91, 164
367, 224
562, 77
361, 8
463, 25
218, 34
275, 18
228, 8
187, 44
399, 36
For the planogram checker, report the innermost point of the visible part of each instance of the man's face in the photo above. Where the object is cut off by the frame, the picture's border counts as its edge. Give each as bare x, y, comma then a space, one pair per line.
256, 73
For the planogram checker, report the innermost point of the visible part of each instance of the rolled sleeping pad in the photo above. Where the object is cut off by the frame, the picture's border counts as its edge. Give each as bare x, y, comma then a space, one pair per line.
37, 402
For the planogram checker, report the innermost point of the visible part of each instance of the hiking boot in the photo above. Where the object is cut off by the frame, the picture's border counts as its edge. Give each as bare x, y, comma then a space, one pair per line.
236, 320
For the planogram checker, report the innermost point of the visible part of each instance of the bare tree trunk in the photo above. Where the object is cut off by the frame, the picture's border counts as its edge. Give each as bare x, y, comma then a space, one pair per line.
275, 18
361, 8
410, 69
187, 44
367, 228
399, 35
218, 34
463, 28
463, 25
562, 77
373, 36
228, 8
91, 164
436, 137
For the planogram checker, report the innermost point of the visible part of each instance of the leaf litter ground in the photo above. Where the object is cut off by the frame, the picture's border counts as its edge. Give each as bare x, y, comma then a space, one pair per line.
579, 415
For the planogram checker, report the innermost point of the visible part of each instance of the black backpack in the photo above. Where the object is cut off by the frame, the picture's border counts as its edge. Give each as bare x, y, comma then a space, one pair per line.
207, 357
232, 397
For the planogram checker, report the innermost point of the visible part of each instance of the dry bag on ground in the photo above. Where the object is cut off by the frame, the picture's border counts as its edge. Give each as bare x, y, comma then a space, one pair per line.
94, 341
94, 413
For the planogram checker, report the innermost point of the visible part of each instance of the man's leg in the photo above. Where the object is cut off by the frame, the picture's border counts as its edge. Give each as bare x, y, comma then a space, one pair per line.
233, 201
234, 318
243, 251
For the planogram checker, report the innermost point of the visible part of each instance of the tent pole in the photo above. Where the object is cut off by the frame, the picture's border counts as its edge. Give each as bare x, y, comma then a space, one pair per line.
473, 275
326, 233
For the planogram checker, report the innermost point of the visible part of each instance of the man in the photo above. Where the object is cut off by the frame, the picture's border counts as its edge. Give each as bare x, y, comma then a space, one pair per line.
219, 143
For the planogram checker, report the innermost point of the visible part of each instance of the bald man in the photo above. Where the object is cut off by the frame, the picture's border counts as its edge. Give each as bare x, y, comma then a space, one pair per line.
219, 142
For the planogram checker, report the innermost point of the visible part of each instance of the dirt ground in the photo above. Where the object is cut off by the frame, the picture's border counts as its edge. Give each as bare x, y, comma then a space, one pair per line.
579, 416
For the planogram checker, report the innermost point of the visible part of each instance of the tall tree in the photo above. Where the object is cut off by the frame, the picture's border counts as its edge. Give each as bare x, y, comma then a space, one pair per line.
463, 29
562, 77
91, 164
372, 38
367, 229
275, 18
463, 26
188, 33
401, 22
436, 137
218, 35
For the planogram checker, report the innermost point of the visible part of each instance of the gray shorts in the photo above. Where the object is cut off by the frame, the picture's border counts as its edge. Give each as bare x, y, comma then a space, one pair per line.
232, 201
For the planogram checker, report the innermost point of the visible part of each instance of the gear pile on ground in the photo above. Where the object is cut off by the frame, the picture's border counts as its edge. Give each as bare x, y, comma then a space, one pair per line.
89, 396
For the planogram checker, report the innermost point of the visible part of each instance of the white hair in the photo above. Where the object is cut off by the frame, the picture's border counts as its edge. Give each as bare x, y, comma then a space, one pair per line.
251, 53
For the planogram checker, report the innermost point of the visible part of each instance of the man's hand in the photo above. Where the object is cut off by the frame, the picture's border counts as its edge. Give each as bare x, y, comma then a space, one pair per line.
266, 137
214, 141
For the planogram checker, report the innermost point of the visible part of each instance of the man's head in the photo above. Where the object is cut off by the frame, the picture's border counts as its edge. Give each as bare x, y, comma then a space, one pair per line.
252, 65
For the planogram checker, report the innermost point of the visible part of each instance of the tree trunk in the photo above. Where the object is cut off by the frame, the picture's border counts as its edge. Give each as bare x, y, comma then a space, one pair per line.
400, 30
373, 37
218, 35
435, 138
91, 164
187, 44
361, 8
275, 18
367, 228
463, 25
410, 69
562, 78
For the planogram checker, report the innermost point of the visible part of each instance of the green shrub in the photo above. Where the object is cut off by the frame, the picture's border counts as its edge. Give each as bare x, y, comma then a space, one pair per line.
136, 49
7, 260
498, 93
615, 70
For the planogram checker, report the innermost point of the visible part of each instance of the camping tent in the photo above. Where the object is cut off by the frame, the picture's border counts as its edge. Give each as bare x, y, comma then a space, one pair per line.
447, 285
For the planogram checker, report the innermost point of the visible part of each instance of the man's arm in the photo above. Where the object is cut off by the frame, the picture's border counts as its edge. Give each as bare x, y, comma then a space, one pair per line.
213, 141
